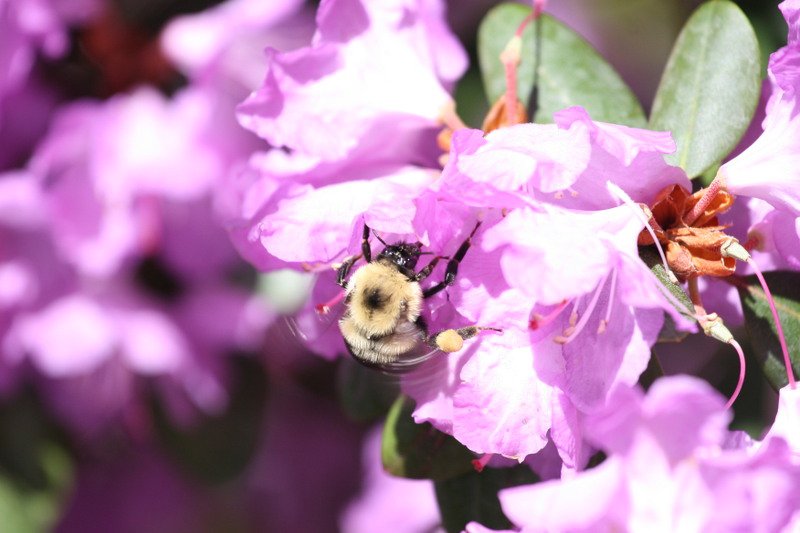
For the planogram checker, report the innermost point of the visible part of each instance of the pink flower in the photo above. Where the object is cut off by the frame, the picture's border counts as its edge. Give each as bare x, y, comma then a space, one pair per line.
386, 502
787, 420
768, 168
105, 167
668, 469
224, 45
371, 81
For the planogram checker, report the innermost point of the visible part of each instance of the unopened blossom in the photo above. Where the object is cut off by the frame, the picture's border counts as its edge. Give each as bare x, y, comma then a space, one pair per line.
669, 468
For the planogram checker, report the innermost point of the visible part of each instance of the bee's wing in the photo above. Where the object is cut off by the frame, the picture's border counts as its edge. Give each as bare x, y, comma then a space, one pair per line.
315, 326
411, 361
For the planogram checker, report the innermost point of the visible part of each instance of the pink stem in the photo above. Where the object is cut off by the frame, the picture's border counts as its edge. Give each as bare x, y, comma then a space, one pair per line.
741, 374
781, 337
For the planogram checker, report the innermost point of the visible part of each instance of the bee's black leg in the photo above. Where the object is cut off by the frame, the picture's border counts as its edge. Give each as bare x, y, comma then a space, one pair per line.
344, 270
452, 266
425, 272
366, 251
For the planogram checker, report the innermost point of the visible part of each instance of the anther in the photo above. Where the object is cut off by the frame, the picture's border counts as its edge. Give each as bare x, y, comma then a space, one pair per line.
570, 333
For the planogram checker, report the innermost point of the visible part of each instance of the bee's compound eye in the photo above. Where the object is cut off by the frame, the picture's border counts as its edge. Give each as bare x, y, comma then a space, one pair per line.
449, 341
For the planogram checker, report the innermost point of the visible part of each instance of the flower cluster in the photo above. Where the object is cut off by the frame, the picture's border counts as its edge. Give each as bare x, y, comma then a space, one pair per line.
554, 263
145, 170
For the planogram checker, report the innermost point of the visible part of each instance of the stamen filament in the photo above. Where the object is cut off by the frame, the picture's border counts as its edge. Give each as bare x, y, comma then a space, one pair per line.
538, 321
621, 195
325, 307
450, 118
786, 360
739, 384
604, 323
587, 313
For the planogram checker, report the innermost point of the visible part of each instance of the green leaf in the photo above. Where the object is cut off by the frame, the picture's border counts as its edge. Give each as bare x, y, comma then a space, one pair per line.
35, 469
571, 71
710, 87
218, 448
365, 395
26, 510
668, 333
472, 497
419, 451
785, 288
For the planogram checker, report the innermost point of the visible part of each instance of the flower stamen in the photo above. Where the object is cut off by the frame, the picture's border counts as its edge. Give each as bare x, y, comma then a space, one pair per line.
572, 332
325, 307
621, 195
604, 322
732, 248
786, 360
538, 320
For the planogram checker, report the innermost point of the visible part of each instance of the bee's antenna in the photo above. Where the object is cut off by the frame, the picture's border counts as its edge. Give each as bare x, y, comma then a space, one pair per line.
379, 238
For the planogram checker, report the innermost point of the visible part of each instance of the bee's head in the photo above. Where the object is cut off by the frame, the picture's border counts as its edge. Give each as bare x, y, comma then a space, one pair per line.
402, 254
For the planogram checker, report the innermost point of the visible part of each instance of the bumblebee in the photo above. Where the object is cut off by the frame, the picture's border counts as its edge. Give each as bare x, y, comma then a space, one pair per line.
383, 325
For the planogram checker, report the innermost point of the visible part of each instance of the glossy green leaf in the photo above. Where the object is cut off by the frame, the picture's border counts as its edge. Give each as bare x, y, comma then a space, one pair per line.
710, 87
571, 71
419, 451
785, 288
668, 333
217, 448
364, 394
472, 497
